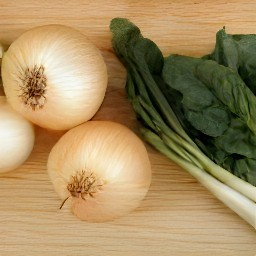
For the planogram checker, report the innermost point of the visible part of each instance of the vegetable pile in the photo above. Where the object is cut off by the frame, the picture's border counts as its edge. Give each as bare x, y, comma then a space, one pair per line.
54, 77
199, 112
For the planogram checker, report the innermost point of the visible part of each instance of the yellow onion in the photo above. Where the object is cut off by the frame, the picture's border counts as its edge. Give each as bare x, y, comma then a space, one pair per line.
54, 76
16, 138
102, 167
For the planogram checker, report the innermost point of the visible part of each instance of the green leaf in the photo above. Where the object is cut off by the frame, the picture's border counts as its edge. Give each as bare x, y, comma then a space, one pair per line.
239, 53
199, 105
133, 48
230, 89
237, 139
124, 32
244, 168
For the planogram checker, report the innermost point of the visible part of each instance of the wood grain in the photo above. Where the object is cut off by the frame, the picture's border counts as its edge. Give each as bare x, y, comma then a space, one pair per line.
178, 216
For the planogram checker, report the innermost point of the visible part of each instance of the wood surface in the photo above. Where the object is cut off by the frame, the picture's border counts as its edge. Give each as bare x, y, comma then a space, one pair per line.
178, 216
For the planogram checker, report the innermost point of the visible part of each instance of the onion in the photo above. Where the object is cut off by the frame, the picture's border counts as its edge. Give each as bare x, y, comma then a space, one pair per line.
54, 76
103, 167
16, 138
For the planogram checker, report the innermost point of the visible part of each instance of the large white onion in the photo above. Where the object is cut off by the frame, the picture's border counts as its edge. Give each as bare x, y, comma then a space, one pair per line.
54, 76
103, 167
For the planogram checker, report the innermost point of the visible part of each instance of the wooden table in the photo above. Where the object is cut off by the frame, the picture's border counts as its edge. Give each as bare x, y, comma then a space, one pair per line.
178, 216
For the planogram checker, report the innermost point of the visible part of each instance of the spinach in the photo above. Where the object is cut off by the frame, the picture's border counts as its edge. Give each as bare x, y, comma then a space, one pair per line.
237, 52
185, 103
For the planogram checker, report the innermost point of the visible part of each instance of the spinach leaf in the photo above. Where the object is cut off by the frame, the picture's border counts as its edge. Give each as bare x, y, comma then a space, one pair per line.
245, 169
199, 105
239, 53
133, 49
230, 89
237, 139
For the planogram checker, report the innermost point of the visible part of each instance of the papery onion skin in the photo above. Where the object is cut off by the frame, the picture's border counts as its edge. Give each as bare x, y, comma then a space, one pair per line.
73, 71
115, 155
16, 138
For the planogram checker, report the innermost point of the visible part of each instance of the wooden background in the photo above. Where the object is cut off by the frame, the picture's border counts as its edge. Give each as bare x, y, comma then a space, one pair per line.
178, 216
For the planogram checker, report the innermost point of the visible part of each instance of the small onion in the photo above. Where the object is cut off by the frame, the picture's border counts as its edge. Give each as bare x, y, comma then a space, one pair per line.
16, 138
103, 167
54, 76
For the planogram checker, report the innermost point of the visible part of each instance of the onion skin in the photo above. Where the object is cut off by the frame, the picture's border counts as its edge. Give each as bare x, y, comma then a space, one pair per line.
115, 155
16, 138
73, 78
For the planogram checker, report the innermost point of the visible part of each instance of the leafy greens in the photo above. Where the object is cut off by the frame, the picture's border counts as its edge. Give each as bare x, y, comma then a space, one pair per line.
214, 105
194, 111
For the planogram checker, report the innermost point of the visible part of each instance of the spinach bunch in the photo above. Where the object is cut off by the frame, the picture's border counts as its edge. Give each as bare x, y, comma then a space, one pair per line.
193, 111
204, 102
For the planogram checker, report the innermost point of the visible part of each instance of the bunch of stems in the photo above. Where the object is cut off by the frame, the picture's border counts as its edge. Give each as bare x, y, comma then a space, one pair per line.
163, 131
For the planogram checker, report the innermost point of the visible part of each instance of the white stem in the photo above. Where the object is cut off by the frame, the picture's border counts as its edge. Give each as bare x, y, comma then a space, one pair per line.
217, 171
237, 202
240, 204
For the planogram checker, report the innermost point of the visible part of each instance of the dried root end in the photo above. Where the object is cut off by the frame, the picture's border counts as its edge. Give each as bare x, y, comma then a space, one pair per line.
33, 87
83, 184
